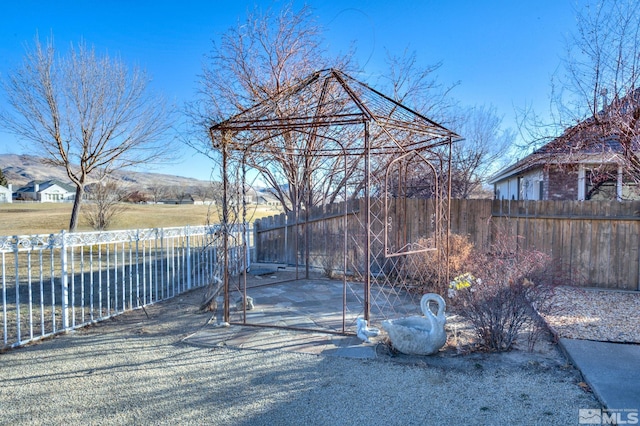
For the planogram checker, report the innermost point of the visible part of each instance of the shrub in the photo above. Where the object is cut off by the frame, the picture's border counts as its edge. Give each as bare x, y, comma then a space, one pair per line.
430, 272
506, 287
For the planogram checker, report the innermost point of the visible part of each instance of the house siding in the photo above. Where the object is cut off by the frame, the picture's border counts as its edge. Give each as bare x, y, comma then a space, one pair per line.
524, 186
47, 191
562, 183
5, 194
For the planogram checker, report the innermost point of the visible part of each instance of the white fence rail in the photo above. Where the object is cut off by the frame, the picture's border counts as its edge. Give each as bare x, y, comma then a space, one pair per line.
58, 282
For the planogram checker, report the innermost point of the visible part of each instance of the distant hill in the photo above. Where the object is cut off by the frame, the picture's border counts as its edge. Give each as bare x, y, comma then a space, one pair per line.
22, 169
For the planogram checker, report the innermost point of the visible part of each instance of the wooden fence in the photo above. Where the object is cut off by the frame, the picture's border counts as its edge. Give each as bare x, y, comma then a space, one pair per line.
595, 243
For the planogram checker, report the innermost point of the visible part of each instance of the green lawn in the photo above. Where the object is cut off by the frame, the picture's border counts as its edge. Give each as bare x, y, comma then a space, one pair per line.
45, 218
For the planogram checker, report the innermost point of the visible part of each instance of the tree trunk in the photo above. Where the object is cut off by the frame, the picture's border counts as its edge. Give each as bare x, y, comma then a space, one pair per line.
73, 223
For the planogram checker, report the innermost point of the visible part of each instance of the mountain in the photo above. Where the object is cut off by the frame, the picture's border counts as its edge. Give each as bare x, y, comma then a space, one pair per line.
21, 169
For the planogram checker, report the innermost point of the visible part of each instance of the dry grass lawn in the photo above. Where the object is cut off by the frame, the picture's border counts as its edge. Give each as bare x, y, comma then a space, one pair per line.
46, 218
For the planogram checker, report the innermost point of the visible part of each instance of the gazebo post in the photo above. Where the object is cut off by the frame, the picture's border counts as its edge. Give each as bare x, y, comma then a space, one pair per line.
367, 204
225, 223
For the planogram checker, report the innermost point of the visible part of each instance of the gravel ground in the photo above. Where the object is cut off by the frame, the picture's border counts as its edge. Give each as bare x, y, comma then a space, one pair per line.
136, 370
607, 316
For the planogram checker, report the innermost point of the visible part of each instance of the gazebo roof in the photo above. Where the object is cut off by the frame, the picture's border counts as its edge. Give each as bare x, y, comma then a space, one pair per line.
329, 99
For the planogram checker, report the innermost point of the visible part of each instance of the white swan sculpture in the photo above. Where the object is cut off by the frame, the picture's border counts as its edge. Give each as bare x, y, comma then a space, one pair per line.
419, 335
364, 331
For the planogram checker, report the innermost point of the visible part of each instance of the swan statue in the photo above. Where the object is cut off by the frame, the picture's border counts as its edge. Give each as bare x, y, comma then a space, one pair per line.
364, 331
419, 335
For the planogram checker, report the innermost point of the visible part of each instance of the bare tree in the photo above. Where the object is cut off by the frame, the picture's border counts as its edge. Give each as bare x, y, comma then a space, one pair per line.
262, 56
269, 53
482, 152
418, 87
485, 141
202, 192
602, 60
595, 104
135, 196
178, 193
104, 204
86, 113
158, 192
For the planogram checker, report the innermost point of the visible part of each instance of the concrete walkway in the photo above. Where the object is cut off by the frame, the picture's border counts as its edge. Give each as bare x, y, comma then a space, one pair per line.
612, 370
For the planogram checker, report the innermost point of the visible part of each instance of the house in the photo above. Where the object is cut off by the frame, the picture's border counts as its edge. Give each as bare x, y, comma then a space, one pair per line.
49, 191
587, 175
586, 162
6, 193
181, 199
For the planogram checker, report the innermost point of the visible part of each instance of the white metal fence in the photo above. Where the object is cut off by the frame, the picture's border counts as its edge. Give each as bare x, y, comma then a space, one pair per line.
58, 282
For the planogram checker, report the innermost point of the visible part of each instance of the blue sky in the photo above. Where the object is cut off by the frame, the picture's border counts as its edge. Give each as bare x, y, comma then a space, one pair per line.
502, 52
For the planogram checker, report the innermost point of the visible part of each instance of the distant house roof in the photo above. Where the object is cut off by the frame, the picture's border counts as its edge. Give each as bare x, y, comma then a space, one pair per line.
44, 184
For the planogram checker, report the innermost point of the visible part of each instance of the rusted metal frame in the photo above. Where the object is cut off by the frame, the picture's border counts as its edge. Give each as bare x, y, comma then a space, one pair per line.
448, 231
293, 123
374, 117
405, 183
345, 216
345, 224
341, 78
243, 276
393, 149
440, 211
387, 254
367, 278
367, 196
399, 105
270, 284
313, 135
326, 153
307, 230
296, 224
345, 227
413, 127
287, 327
310, 144
225, 225
354, 97
329, 153
421, 146
367, 155
286, 92
385, 218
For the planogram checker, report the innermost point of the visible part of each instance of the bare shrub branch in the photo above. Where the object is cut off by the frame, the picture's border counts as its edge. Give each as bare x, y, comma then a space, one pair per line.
510, 285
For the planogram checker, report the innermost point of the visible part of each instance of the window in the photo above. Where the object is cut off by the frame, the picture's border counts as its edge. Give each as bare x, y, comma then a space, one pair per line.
541, 190
601, 183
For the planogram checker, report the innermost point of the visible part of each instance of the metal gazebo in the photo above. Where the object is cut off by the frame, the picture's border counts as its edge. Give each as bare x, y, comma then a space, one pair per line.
333, 143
